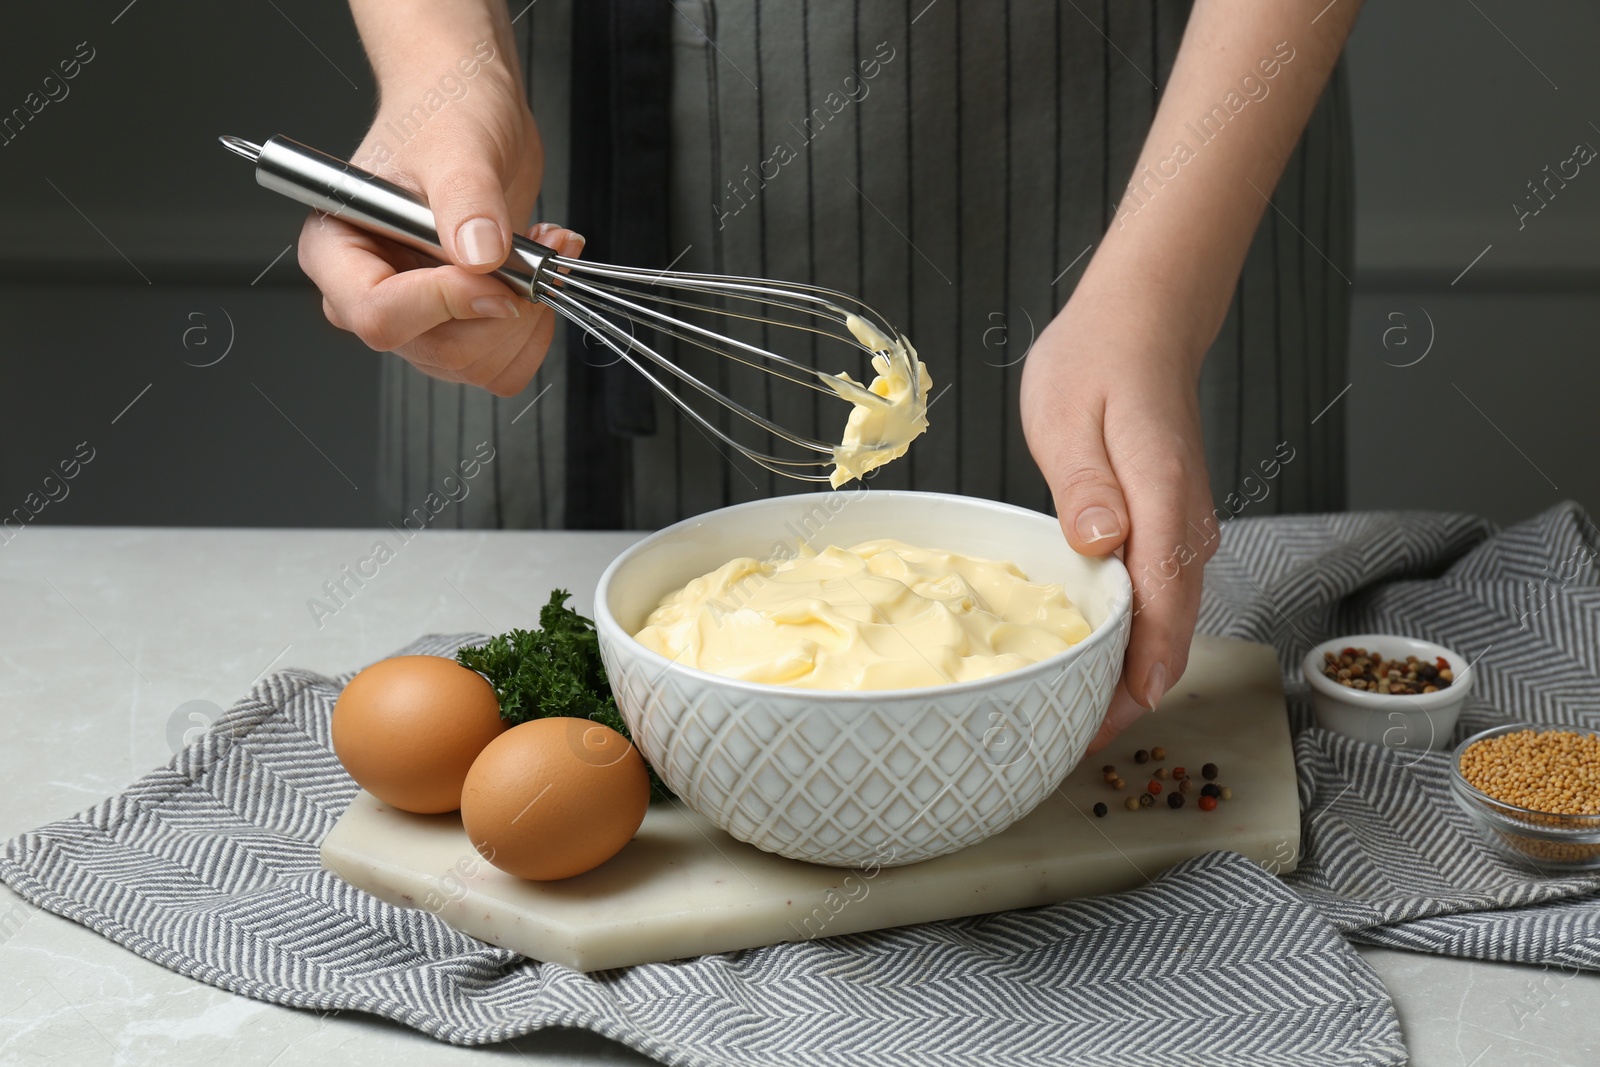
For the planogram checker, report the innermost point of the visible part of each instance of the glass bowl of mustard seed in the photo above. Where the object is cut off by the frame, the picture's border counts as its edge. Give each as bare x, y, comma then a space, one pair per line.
1535, 793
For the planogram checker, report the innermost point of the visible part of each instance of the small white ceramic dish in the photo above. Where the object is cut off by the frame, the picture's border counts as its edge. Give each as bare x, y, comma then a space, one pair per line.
853, 779
1415, 722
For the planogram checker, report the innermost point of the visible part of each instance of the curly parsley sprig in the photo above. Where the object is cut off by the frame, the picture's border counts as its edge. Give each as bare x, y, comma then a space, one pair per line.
555, 670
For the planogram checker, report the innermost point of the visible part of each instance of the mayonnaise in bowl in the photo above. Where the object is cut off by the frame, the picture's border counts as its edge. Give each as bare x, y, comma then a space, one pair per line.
881, 614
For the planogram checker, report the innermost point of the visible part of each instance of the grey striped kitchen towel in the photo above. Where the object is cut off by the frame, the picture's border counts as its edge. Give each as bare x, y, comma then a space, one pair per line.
209, 867
1386, 854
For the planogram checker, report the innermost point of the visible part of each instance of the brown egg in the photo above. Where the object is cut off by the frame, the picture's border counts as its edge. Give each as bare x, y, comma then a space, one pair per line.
555, 797
408, 728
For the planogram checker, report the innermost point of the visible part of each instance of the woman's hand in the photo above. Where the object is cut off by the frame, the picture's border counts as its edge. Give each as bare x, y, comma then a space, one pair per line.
478, 161
1109, 390
1111, 413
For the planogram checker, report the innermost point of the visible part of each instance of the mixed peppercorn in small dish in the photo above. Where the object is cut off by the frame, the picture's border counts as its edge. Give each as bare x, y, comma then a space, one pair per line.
1358, 668
1393, 690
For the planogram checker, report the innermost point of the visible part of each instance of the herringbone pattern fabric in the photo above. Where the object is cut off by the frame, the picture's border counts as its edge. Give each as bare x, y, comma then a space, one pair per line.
1386, 854
209, 866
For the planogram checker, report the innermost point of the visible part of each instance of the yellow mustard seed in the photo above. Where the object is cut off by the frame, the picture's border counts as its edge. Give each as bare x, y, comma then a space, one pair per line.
1555, 771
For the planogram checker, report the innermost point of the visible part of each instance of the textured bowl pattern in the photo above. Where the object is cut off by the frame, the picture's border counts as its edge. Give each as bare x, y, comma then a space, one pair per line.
855, 779
884, 782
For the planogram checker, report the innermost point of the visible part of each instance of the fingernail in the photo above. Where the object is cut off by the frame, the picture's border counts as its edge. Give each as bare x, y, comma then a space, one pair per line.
496, 307
1156, 687
479, 242
577, 239
1096, 524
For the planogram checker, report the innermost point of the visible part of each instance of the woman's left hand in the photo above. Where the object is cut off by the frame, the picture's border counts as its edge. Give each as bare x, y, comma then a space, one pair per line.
1111, 412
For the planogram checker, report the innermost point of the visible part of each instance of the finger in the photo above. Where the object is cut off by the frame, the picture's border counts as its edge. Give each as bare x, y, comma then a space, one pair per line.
519, 371
471, 350
465, 347
568, 243
501, 357
461, 184
329, 245
403, 306
1166, 571
525, 363
349, 265
337, 259
1088, 495
1123, 713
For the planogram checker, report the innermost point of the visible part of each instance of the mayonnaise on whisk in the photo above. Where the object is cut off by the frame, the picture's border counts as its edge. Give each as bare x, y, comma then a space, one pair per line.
880, 615
878, 433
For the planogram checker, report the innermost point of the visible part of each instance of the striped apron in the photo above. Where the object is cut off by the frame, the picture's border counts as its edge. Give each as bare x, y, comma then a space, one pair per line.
953, 163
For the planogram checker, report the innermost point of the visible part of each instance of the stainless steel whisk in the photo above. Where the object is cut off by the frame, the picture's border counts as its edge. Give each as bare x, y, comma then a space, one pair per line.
600, 298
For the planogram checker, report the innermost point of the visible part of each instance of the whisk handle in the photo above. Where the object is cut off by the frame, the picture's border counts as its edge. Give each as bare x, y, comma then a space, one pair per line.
347, 192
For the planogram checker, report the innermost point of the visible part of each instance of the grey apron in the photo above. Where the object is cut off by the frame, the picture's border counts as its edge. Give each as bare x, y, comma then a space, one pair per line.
952, 163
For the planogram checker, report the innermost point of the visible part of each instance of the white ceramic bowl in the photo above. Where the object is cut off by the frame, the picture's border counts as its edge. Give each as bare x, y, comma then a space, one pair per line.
1417, 722
851, 778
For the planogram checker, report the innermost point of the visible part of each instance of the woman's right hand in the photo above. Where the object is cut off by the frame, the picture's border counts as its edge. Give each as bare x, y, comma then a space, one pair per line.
477, 160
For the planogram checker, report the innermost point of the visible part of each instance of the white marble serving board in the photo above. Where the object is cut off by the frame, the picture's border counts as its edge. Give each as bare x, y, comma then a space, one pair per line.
683, 888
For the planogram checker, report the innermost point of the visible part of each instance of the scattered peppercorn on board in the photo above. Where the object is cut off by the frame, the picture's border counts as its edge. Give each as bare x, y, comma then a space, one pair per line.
684, 888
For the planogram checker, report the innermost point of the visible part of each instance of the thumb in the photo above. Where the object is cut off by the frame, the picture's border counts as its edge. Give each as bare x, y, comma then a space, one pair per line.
1089, 500
469, 208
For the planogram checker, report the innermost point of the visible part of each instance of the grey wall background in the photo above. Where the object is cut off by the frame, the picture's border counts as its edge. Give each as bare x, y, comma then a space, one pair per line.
134, 250
1454, 115
129, 159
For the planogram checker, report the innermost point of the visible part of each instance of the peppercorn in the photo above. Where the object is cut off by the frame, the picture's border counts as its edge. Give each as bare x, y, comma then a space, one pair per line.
1141, 756
1210, 790
1158, 753
1153, 788
1174, 800
1160, 772
1209, 771
1180, 772
1227, 794
1373, 672
1108, 769
1186, 785
1145, 800
1118, 783
1208, 803
1100, 810
1132, 803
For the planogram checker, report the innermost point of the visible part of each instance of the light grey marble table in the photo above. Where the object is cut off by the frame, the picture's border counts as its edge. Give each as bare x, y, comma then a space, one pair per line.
106, 635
